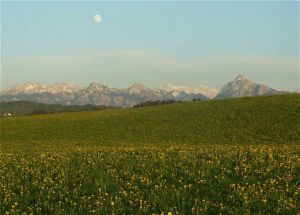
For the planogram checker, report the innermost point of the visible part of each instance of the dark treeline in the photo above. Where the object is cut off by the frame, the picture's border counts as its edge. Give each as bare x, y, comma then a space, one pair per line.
154, 103
159, 102
32, 108
18, 108
69, 109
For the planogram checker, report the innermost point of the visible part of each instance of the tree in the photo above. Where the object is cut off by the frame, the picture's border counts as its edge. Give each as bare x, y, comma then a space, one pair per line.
38, 111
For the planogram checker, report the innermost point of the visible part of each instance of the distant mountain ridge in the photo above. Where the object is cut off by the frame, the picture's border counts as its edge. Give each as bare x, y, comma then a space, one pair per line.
98, 94
36, 87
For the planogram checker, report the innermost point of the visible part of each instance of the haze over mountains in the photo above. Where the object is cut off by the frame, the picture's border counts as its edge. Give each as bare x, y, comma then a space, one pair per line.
98, 94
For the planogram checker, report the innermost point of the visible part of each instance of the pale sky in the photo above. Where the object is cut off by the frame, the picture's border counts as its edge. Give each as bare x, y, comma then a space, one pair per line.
153, 43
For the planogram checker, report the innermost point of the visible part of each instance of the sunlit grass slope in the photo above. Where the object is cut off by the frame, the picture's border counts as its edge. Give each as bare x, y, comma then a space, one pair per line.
256, 120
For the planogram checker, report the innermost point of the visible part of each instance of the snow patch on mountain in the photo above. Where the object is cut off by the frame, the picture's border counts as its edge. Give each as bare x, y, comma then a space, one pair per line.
36, 87
204, 90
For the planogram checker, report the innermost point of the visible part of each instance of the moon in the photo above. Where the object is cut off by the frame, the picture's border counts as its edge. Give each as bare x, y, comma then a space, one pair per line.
97, 18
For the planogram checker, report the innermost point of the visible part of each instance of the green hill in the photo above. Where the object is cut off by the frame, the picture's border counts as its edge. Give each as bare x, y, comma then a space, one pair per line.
252, 120
27, 107
236, 156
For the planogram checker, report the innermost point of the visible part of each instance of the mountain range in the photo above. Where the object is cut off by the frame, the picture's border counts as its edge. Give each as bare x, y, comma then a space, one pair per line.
98, 94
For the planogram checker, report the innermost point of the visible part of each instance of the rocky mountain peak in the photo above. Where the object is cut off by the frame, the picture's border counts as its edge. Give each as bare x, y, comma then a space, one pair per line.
96, 86
137, 88
241, 86
241, 78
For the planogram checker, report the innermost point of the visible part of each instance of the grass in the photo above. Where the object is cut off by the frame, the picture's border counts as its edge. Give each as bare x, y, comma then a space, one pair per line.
257, 120
237, 156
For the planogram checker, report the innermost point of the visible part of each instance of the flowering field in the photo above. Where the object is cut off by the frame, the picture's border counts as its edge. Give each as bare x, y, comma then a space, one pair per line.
101, 163
177, 180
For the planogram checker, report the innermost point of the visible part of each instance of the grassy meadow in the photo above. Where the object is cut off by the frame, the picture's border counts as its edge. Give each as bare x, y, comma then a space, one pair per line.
235, 156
